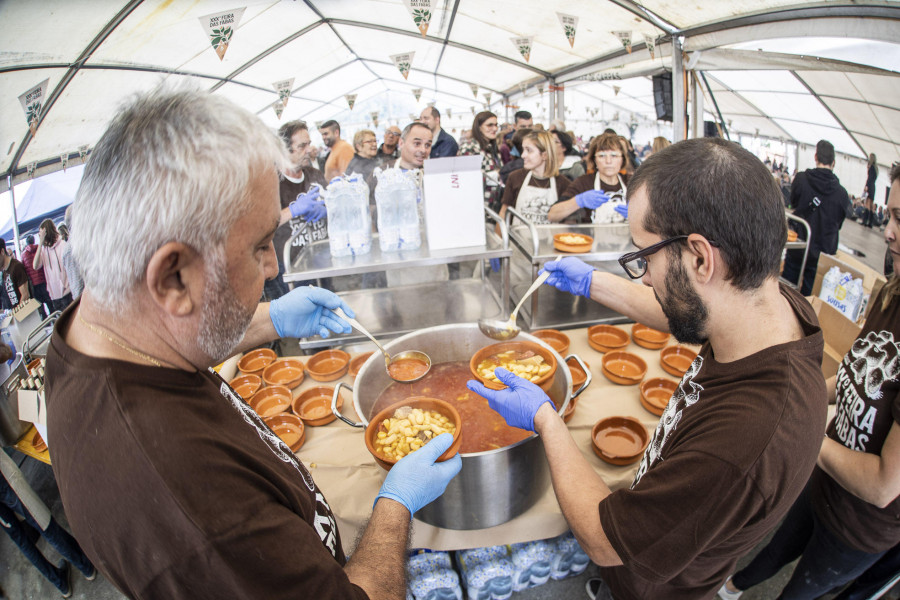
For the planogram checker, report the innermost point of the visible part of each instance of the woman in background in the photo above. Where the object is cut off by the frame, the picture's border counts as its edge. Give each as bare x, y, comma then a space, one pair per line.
484, 143
570, 163
533, 189
49, 256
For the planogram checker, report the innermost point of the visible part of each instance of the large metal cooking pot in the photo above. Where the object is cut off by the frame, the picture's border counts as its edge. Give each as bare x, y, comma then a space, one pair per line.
493, 486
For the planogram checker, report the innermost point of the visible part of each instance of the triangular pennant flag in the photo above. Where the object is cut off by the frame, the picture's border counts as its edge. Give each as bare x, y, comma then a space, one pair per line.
523, 45
351, 100
32, 167
522, 87
421, 11
413, 116
403, 62
616, 90
64, 159
284, 88
220, 27
474, 88
278, 105
540, 88
319, 124
472, 108
487, 97
650, 42
33, 103
82, 152
417, 93
374, 115
569, 24
625, 38
449, 112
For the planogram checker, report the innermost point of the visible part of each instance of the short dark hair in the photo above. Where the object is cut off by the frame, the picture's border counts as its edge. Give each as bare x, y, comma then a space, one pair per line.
895, 172
566, 140
728, 197
825, 152
29, 239
330, 124
435, 113
479, 120
410, 127
287, 131
610, 130
518, 137
522, 114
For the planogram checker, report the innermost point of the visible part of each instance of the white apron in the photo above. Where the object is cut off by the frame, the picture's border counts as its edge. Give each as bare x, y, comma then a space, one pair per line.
534, 203
607, 213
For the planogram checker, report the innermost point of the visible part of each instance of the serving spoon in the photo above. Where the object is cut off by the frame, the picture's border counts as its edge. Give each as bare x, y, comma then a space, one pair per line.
408, 354
499, 329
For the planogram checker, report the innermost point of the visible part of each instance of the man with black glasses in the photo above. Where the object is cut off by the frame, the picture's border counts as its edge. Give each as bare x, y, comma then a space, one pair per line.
740, 436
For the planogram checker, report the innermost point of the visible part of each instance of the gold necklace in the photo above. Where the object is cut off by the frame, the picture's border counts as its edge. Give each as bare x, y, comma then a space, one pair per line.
121, 345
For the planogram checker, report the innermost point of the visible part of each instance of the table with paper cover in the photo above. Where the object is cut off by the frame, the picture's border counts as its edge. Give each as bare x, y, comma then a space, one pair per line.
346, 473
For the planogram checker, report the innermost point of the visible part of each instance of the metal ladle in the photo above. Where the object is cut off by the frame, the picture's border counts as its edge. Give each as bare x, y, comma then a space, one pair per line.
506, 330
408, 354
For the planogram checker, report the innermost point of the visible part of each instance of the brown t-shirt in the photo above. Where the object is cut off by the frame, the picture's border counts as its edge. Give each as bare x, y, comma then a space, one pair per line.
14, 277
732, 451
288, 190
534, 211
585, 183
868, 405
175, 488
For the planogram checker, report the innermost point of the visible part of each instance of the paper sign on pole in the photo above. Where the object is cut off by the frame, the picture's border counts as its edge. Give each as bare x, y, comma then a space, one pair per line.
284, 88
33, 102
403, 62
219, 28
569, 24
417, 92
421, 11
625, 38
278, 106
351, 100
650, 42
523, 45
454, 202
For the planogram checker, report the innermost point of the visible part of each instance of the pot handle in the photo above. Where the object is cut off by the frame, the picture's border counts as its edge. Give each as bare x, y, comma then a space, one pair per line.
334, 407
587, 372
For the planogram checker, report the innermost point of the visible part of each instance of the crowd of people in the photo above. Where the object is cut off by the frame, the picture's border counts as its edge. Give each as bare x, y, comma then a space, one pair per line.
211, 512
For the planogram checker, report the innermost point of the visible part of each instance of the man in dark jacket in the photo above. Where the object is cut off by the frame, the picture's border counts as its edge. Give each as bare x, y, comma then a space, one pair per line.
817, 197
443, 143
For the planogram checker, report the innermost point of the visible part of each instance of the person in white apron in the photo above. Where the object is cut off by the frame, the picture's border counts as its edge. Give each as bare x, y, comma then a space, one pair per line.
536, 187
599, 195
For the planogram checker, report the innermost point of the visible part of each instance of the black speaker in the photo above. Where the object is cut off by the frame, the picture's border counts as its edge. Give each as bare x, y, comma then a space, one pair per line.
662, 96
710, 129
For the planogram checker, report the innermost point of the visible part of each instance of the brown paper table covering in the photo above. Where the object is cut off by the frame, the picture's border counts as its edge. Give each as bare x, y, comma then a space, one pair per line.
349, 478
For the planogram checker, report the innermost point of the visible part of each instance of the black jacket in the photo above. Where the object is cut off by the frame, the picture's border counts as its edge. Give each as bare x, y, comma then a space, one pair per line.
818, 198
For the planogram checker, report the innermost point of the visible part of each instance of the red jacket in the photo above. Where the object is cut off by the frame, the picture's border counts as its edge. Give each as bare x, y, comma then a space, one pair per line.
36, 276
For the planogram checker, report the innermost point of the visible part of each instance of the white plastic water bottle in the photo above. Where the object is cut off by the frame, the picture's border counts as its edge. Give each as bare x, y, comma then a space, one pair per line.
396, 200
431, 577
532, 564
349, 223
854, 298
569, 559
830, 281
486, 572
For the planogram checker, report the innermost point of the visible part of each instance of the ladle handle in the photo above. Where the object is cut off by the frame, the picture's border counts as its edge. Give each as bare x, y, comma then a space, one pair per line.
355, 324
537, 283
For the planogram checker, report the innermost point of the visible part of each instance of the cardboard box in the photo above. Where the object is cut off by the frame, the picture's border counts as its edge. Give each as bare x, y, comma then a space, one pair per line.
872, 280
839, 332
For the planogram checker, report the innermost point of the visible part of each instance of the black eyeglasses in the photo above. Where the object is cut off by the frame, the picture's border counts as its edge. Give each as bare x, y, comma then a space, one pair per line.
635, 263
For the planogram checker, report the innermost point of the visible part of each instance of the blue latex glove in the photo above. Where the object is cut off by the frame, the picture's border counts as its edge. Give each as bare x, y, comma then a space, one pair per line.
591, 199
518, 403
622, 209
417, 480
308, 206
570, 275
495, 264
305, 312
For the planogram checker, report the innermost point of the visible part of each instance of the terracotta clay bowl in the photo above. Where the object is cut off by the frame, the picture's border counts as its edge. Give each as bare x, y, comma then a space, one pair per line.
256, 360
544, 381
624, 368
246, 385
314, 406
38, 442
656, 392
289, 428
578, 376
285, 371
619, 440
271, 401
572, 242
357, 362
649, 338
554, 338
328, 365
606, 338
675, 360
569, 412
432, 404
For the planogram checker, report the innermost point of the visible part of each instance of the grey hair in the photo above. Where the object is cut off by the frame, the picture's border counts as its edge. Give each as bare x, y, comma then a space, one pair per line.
173, 166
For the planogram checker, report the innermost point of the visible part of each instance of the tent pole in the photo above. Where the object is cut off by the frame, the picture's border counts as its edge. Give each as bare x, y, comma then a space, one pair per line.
15, 218
678, 91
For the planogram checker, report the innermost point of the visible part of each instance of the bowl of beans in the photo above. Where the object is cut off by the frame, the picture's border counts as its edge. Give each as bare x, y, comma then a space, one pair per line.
528, 360
406, 426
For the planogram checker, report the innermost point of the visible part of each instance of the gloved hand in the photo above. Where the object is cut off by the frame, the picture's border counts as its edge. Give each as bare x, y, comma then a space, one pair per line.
591, 199
622, 209
308, 206
570, 275
518, 403
417, 480
305, 312
495, 264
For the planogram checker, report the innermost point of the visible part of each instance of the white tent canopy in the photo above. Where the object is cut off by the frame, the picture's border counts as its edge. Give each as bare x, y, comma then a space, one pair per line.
779, 69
